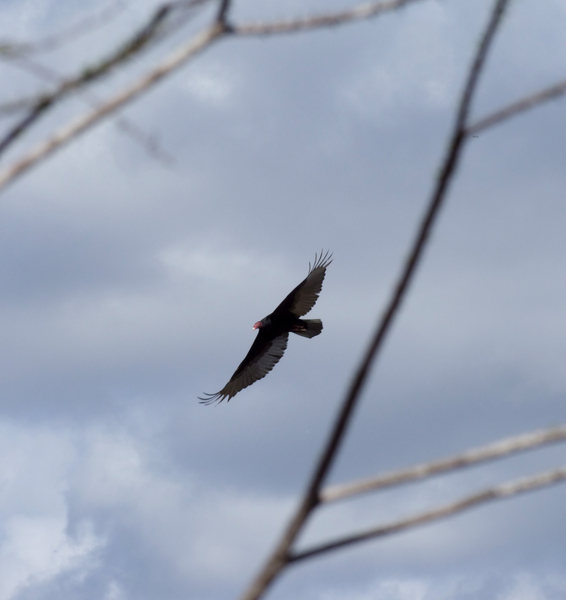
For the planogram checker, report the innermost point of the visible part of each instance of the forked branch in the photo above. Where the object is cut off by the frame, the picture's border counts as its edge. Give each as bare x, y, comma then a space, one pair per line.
220, 27
496, 450
505, 490
132, 47
550, 93
281, 556
10, 50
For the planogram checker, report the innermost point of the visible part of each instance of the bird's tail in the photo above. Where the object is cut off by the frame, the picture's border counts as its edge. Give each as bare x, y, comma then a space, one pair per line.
312, 327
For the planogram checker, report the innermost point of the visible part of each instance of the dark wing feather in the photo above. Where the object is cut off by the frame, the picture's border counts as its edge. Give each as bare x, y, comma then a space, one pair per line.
304, 296
261, 358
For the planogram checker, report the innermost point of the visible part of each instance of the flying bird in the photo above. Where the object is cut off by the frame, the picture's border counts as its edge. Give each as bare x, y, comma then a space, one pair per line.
273, 332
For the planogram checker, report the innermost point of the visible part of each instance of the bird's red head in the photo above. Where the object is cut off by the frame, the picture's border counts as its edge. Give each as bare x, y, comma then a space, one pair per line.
257, 325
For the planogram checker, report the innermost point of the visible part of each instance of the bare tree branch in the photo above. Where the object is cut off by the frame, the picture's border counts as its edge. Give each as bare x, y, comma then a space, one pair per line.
148, 142
505, 490
172, 62
280, 557
29, 65
499, 449
223, 12
313, 497
357, 13
64, 135
526, 103
40, 107
12, 50
139, 41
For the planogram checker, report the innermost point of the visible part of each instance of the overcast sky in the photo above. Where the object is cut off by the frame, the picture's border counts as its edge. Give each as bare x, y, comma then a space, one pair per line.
129, 287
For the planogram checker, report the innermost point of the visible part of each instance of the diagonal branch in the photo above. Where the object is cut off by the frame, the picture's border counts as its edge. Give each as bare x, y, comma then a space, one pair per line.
64, 135
172, 62
280, 557
222, 16
40, 107
522, 105
13, 50
499, 449
360, 12
139, 41
149, 143
357, 13
505, 490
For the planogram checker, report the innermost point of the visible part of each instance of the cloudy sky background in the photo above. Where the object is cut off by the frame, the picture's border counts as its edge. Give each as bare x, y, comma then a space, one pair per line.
129, 287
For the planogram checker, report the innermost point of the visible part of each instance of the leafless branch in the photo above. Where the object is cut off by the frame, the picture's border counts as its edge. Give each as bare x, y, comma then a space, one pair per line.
169, 64
499, 449
131, 48
281, 555
357, 13
223, 12
549, 93
64, 135
124, 124
12, 50
221, 27
505, 490
40, 104
150, 143
40, 107
36, 69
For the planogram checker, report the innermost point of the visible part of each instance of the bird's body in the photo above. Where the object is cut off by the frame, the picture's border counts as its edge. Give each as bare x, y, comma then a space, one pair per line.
273, 334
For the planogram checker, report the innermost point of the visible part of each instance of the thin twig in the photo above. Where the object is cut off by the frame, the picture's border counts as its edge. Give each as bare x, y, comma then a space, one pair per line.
131, 48
29, 65
16, 131
222, 15
148, 142
13, 50
357, 13
499, 449
505, 490
64, 135
172, 62
280, 557
526, 103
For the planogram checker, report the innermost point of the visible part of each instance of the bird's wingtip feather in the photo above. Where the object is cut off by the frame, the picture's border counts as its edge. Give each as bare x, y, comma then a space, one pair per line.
321, 260
211, 398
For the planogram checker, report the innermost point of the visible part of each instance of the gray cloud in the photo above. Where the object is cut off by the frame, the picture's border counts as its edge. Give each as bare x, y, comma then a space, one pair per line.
128, 289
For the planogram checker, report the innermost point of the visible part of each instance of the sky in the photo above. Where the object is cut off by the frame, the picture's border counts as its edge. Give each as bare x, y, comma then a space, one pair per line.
129, 286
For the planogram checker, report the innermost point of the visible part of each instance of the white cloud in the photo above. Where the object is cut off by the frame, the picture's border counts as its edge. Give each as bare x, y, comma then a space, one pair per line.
516, 586
528, 586
35, 543
153, 268
418, 70
523, 588
389, 589
207, 264
114, 592
37, 549
200, 531
212, 83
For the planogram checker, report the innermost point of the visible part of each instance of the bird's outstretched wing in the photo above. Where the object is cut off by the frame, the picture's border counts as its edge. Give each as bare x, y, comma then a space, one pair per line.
304, 296
261, 358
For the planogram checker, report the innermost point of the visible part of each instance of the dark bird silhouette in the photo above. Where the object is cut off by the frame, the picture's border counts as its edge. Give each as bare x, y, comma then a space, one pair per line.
273, 334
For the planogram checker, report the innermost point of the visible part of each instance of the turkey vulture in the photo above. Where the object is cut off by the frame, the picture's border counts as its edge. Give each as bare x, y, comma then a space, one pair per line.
271, 340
